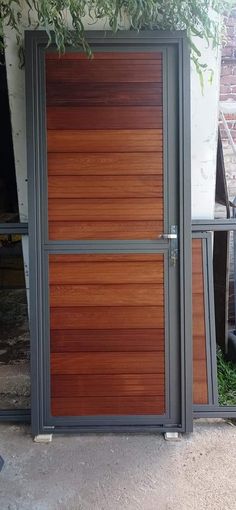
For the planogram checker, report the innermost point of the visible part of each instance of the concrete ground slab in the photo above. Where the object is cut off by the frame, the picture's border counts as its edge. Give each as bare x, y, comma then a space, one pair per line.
120, 472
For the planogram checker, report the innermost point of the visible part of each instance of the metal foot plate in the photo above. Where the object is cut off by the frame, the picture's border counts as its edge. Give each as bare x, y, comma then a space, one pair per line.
43, 438
172, 436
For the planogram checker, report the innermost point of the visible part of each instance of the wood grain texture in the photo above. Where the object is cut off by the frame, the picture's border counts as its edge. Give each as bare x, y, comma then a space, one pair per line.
106, 295
107, 317
108, 117
107, 363
200, 383
116, 163
107, 405
104, 94
107, 340
103, 71
132, 186
104, 140
107, 385
105, 230
75, 273
97, 209
105, 55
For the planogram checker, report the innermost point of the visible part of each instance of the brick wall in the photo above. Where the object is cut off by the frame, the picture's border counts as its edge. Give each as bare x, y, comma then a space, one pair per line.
228, 93
228, 72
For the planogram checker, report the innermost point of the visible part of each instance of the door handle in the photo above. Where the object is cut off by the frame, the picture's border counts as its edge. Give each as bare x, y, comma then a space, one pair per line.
169, 236
173, 237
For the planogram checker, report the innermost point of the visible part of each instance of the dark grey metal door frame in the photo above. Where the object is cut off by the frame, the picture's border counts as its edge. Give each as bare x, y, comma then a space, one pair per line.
175, 42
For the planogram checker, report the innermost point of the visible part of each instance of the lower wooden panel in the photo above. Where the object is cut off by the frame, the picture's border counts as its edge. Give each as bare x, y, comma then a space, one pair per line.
107, 334
88, 406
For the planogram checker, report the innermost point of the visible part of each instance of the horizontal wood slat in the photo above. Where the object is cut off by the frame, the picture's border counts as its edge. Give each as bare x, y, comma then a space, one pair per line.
107, 317
107, 405
107, 385
107, 257
74, 273
110, 295
68, 209
107, 340
131, 186
107, 363
105, 230
109, 117
110, 71
116, 163
105, 55
104, 140
104, 94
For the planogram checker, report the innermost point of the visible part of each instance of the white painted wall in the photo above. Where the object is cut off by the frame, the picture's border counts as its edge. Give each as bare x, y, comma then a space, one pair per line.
204, 129
204, 117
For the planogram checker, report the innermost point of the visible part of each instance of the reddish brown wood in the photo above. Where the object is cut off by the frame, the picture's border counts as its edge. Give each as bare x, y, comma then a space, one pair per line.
200, 383
107, 363
107, 317
105, 168
116, 163
109, 117
102, 71
107, 340
107, 405
104, 140
74, 273
102, 295
107, 385
104, 94
132, 186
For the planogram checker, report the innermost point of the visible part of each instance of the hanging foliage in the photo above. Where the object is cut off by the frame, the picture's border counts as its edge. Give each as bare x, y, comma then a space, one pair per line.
60, 16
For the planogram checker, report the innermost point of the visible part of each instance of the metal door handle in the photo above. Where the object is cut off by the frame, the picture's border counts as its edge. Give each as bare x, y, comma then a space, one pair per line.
169, 236
173, 250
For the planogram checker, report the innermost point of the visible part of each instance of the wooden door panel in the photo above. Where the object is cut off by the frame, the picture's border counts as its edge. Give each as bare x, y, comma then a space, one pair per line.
105, 182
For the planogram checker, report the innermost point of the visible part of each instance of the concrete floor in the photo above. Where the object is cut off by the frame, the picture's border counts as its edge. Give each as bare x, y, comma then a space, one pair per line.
120, 472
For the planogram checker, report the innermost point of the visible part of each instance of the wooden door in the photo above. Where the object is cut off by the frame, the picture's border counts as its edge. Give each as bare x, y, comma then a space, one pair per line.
111, 188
